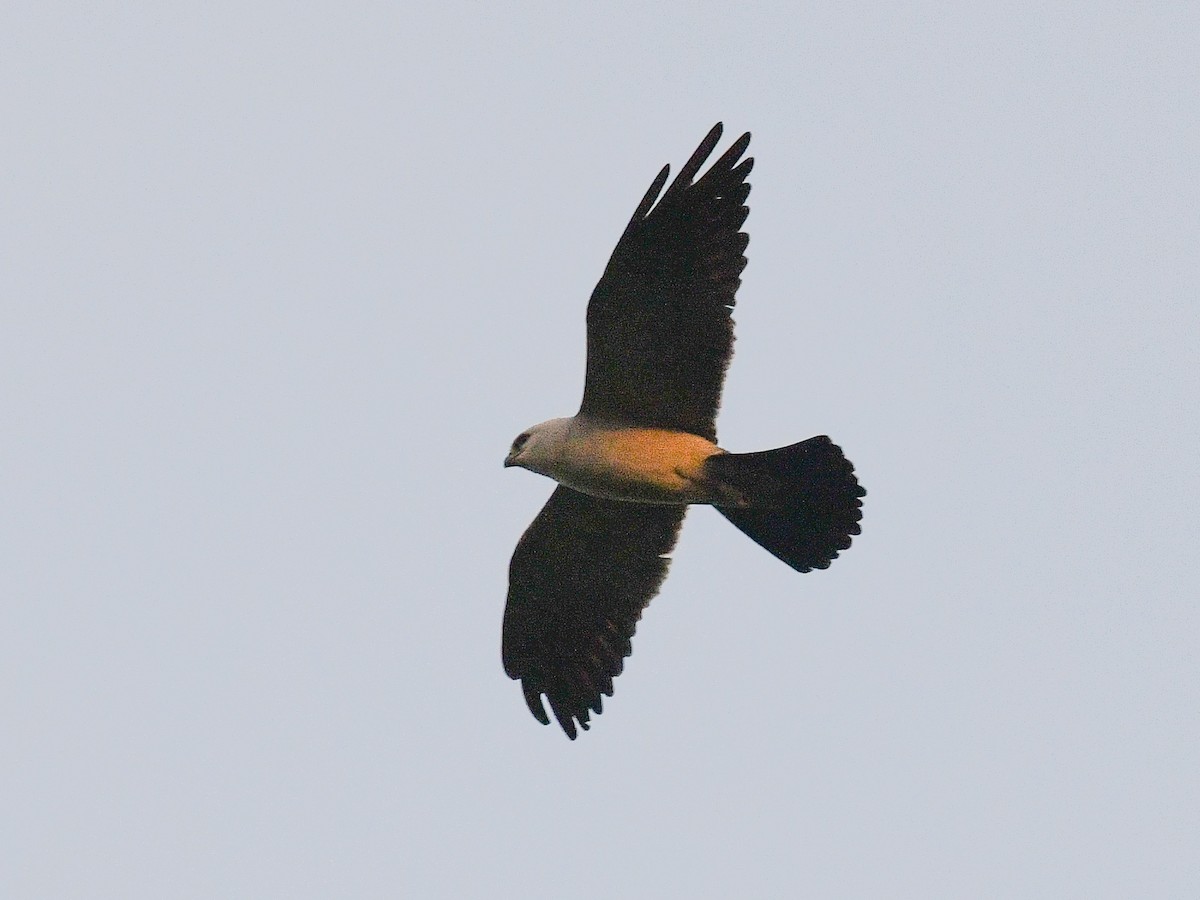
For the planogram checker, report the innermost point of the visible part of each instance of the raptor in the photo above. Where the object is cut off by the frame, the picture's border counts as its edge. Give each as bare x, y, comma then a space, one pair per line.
642, 447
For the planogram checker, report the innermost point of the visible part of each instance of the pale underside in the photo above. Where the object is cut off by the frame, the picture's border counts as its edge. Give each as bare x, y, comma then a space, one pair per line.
642, 465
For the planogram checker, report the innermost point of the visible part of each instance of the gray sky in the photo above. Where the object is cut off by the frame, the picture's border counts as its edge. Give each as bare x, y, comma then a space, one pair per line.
279, 287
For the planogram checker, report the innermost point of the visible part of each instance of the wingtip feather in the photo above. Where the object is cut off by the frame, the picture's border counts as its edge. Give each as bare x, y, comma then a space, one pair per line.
533, 699
688, 173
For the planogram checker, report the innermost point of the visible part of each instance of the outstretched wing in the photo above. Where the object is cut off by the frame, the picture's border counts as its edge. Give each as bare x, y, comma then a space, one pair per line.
659, 331
580, 577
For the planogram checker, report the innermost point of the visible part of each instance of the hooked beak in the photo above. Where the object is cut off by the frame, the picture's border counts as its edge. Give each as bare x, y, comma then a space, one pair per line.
509, 461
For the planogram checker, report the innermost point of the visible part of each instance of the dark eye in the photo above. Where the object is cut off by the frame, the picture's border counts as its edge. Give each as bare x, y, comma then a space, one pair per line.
520, 442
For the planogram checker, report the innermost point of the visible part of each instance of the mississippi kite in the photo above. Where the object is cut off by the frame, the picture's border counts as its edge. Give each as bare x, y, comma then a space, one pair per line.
643, 446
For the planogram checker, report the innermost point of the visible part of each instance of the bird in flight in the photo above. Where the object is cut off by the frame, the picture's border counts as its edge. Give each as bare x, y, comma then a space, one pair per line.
643, 446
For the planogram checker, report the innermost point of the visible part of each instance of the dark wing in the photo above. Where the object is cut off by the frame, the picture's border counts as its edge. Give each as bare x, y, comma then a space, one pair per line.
659, 331
580, 577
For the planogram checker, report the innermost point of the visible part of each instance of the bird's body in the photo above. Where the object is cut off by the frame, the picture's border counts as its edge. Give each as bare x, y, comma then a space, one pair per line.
641, 465
643, 447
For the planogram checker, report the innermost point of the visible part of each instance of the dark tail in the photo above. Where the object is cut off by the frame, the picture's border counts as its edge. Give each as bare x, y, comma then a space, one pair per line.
800, 502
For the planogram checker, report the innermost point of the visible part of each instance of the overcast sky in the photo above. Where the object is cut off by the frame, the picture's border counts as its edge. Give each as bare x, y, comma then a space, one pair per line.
281, 282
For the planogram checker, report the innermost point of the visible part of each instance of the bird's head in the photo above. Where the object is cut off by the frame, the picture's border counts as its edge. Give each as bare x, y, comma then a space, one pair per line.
537, 448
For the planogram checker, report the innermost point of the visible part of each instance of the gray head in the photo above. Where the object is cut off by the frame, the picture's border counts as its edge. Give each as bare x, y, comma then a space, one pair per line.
537, 448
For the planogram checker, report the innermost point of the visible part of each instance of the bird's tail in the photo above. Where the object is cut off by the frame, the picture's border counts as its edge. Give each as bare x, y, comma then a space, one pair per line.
800, 502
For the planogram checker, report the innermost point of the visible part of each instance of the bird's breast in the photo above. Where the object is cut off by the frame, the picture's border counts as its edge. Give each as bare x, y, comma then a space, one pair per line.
644, 465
